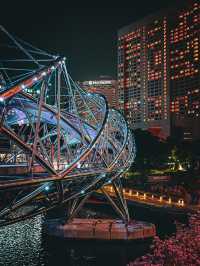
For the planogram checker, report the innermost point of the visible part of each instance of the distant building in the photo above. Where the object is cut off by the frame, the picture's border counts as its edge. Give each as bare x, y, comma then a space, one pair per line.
104, 85
159, 71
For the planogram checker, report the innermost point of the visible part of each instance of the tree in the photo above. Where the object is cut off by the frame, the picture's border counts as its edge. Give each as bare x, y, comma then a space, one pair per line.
151, 152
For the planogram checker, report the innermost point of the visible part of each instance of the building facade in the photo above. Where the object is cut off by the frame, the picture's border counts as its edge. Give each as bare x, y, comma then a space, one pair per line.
159, 71
104, 85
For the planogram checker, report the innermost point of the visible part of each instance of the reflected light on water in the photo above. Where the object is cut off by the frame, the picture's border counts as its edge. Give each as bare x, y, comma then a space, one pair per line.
20, 243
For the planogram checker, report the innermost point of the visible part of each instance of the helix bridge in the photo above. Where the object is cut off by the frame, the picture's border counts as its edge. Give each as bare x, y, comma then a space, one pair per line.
58, 142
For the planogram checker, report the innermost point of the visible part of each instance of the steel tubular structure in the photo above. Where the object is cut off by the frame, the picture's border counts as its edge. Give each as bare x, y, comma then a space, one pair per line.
58, 143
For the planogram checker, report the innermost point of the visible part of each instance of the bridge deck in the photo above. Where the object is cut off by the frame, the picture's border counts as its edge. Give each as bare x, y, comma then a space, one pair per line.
15, 180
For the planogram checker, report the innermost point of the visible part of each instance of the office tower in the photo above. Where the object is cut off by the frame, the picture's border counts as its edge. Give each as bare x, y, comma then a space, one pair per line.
103, 85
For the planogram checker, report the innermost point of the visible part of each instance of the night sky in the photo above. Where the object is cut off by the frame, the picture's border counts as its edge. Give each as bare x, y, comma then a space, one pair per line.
85, 35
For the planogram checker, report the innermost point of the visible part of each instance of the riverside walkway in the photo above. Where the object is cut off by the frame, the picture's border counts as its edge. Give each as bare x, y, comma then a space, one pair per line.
154, 200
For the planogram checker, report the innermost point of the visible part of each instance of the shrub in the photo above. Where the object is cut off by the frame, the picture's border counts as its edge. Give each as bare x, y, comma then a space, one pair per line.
179, 250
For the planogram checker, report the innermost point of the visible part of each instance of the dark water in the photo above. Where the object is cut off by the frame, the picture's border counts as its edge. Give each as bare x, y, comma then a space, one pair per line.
26, 244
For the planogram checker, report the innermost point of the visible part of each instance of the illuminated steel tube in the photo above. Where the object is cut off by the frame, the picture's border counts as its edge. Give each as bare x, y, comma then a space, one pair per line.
63, 143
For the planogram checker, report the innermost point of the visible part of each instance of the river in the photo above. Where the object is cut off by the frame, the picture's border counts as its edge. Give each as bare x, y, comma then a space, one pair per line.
26, 244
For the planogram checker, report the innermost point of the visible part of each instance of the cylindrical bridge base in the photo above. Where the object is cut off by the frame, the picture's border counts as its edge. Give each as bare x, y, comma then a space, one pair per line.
100, 229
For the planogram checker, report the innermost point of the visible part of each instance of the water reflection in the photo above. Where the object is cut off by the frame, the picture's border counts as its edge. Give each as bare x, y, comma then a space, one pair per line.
21, 243
94, 253
26, 244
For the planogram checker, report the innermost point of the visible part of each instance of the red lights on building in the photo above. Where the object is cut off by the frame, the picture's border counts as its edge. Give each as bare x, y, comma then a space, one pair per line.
185, 70
159, 70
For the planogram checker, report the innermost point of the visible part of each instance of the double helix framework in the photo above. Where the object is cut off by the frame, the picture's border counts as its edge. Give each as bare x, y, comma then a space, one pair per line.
58, 143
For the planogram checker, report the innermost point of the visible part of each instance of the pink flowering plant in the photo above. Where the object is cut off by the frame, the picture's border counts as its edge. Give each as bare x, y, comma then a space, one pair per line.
182, 249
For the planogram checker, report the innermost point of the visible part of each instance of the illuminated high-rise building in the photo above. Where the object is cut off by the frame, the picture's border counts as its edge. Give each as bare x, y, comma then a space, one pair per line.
104, 85
184, 42
159, 71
